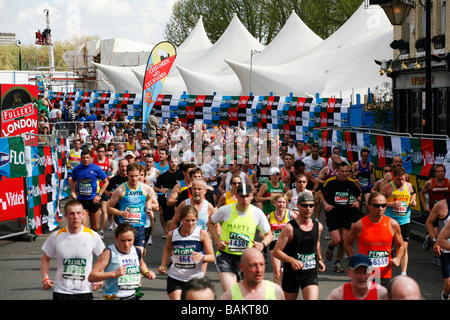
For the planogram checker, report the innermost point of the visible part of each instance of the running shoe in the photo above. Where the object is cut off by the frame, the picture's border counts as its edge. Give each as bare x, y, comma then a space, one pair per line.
443, 296
164, 236
329, 253
337, 267
327, 234
436, 261
427, 244
102, 234
112, 226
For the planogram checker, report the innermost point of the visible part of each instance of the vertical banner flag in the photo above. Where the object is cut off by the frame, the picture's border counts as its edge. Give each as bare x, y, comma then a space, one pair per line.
159, 63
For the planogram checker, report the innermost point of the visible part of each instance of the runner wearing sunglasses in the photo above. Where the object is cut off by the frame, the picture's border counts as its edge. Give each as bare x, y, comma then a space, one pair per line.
374, 234
298, 246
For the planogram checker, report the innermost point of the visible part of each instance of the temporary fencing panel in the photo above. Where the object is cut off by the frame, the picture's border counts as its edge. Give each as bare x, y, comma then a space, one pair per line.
13, 204
419, 155
46, 164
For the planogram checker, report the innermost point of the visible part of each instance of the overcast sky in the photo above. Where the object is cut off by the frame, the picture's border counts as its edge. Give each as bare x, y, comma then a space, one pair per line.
140, 20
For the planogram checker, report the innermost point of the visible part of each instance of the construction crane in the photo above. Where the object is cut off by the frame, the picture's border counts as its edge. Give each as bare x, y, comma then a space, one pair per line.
45, 39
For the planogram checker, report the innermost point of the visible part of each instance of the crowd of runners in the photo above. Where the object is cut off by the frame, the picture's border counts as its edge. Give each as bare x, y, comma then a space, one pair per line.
219, 207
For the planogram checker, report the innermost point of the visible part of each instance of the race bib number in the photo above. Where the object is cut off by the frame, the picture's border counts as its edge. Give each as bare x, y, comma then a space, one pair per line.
238, 242
379, 259
341, 198
74, 272
276, 230
85, 187
401, 209
182, 258
74, 163
363, 182
308, 260
74, 269
134, 215
315, 171
276, 234
131, 280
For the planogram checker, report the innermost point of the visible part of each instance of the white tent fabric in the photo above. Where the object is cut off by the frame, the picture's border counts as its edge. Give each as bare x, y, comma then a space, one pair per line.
200, 83
209, 72
235, 43
339, 66
294, 39
297, 61
122, 78
122, 52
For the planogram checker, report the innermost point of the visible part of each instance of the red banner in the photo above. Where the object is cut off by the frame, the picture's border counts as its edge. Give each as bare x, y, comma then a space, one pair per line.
12, 199
19, 113
427, 156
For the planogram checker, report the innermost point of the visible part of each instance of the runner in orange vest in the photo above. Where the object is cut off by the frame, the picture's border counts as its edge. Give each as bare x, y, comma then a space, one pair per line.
374, 234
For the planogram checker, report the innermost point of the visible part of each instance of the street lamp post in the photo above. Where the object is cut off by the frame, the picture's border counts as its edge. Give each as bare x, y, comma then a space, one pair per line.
252, 53
20, 54
429, 116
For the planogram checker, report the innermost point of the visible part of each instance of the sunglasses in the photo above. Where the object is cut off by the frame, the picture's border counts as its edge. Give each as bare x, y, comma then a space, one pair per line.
379, 205
301, 181
304, 205
387, 170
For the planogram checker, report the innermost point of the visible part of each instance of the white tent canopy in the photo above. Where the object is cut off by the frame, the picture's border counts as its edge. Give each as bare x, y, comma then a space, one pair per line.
131, 76
297, 61
342, 64
235, 43
209, 72
122, 78
294, 39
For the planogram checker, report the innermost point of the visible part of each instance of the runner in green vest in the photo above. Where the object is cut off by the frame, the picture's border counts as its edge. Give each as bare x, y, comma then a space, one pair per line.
238, 223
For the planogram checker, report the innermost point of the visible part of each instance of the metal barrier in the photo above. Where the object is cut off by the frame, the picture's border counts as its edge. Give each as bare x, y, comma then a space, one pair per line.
71, 127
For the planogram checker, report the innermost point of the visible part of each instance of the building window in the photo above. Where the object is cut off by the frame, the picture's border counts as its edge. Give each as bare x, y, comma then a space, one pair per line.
416, 119
407, 29
443, 15
442, 125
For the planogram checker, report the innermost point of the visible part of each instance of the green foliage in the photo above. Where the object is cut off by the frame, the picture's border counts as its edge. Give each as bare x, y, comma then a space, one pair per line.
262, 18
383, 105
33, 55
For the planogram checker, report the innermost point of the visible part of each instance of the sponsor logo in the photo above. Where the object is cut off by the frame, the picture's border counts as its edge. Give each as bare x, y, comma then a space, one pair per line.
4, 159
12, 199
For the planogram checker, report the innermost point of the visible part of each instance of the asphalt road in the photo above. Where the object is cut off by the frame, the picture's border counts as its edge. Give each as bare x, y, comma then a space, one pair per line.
20, 277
